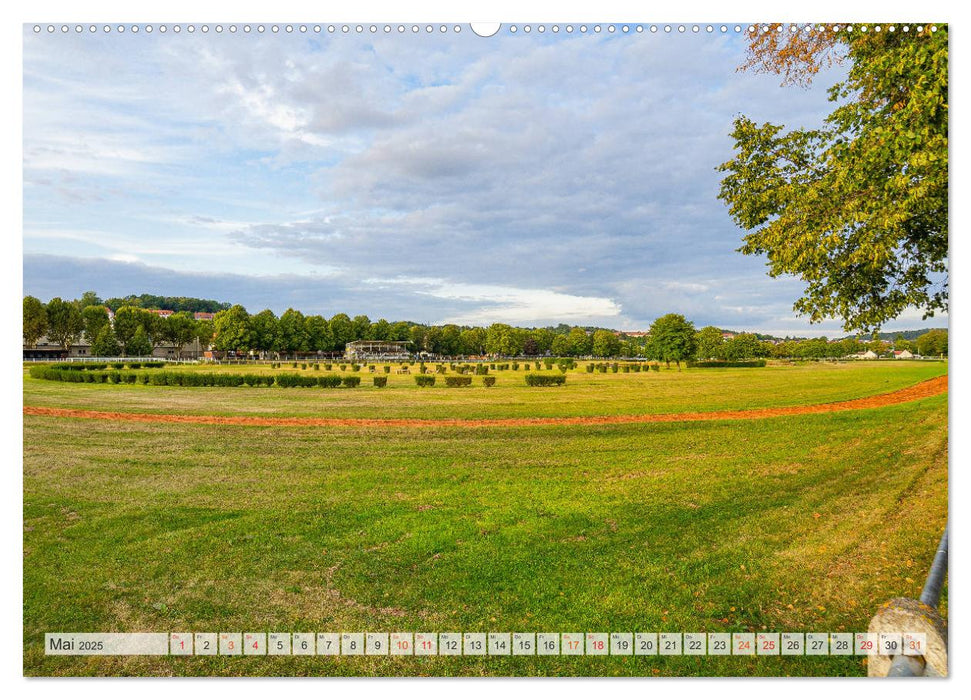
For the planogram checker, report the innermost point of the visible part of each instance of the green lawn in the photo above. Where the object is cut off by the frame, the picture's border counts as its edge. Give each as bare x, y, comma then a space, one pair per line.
802, 523
667, 391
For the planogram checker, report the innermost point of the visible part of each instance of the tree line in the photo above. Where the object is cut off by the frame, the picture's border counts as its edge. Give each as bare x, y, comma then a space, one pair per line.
136, 331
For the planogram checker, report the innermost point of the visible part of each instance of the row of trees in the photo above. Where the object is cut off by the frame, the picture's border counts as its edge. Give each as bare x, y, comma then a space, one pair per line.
237, 330
134, 331
672, 338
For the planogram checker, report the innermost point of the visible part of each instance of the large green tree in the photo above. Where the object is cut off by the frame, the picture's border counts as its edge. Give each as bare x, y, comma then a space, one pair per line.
64, 322
179, 330
95, 318
708, 343
231, 330
856, 208
35, 320
105, 344
605, 344
672, 339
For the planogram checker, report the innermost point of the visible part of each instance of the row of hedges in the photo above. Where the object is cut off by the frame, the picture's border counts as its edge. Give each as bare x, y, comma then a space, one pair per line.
726, 363
197, 378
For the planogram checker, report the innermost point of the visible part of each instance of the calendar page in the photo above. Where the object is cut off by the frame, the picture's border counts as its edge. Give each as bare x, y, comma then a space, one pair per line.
423, 348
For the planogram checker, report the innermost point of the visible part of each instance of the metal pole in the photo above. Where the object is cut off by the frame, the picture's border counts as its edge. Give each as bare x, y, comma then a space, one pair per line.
931, 594
910, 666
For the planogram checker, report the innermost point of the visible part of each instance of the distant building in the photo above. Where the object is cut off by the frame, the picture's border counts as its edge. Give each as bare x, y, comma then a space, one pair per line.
377, 350
903, 355
203, 316
867, 355
162, 313
728, 336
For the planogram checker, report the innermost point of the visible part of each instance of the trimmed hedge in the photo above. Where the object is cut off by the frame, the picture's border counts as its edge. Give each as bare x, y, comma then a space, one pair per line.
380, 381
488, 381
425, 379
458, 381
481, 369
725, 363
545, 379
351, 382
329, 381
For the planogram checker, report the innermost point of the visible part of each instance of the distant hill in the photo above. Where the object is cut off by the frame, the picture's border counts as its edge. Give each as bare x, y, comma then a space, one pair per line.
906, 335
153, 301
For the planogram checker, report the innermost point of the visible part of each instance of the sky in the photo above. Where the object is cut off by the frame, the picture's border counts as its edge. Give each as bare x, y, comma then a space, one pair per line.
530, 179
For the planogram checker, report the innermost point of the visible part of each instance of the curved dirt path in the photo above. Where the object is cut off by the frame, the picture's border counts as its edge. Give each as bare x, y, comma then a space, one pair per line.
925, 389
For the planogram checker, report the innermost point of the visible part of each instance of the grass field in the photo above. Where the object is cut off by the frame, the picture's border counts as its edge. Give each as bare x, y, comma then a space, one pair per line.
802, 523
667, 391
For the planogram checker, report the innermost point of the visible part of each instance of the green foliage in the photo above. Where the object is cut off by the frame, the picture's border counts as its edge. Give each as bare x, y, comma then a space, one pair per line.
64, 322
106, 345
231, 330
858, 209
482, 369
380, 381
488, 381
291, 380
672, 339
35, 321
140, 344
455, 381
351, 382
545, 379
95, 318
329, 381
425, 380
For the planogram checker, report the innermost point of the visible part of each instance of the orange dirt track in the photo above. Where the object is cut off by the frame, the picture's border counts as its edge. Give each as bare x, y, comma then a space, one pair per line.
931, 387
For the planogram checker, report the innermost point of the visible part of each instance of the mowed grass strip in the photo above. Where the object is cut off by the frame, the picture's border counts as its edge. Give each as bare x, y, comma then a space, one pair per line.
667, 391
803, 523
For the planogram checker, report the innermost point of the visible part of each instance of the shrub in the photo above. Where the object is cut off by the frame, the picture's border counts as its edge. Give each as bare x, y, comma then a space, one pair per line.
129, 377
303, 365
155, 364
626, 369
387, 369
545, 379
488, 381
290, 380
328, 366
294, 365
614, 367
371, 368
656, 368
441, 369
316, 366
424, 380
355, 368
602, 368
342, 367
481, 369
329, 381
380, 381
118, 365
492, 365
636, 368
458, 381
143, 378
351, 382
589, 369
253, 379
548, 364
134, 365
